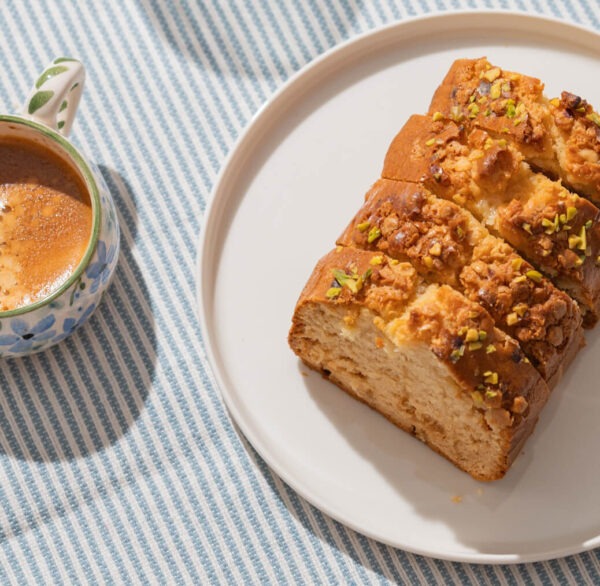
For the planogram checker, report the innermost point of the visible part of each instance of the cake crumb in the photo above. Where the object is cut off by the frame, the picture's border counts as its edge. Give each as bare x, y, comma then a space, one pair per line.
457, 499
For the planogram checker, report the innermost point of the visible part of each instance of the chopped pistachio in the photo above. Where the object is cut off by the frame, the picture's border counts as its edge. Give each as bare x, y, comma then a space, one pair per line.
562, 218
496, 90
517, 121
527, 228
473, 314
457, 354
482, 335
473, 110
583, 239
580, 261
512, 319
571, 213
394, 261
492, 74
517, 263
505, 130
588, 224
428, 261
463, 331
345, 280
535, 276
511, 111
550, 225
574, 241
472, 335
477, 398
363, 226
490, 349
520, 309
506, 87
374, 233
333, 292
437, 116
491, 378
471, 98
520, 279
555, 102
475, 346
460, 232
594, 118
436, 249
430, 142
376, 260
490, 395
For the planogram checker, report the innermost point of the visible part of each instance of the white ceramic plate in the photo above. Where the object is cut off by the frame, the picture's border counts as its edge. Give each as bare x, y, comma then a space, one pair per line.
294, 180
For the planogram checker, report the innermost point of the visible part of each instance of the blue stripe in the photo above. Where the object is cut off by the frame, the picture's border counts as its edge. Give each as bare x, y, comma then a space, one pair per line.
91, 471
589, 13
121, 444
299, 43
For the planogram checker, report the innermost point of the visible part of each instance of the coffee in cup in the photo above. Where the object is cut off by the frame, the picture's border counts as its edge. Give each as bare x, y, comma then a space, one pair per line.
45, 222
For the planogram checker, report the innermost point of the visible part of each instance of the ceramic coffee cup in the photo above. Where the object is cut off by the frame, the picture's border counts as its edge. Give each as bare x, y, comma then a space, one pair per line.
44, 123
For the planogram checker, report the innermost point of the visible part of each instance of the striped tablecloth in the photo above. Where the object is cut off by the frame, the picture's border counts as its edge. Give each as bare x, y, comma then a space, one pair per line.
118, 460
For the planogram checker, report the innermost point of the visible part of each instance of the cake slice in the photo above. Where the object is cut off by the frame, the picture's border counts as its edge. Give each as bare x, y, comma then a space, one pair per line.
447, 246
560, 136
554, 229
413, 351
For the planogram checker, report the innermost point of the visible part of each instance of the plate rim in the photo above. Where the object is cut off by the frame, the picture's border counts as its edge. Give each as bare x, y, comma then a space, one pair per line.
219, 195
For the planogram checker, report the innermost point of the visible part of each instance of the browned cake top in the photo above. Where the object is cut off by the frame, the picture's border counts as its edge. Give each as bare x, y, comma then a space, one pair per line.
406, 222
447, 246
502, 102
461, 164
555, 229
488, 364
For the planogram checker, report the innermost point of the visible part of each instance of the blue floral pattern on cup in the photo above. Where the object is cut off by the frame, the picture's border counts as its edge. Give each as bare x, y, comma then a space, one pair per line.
25, 337
47, 116
35, 331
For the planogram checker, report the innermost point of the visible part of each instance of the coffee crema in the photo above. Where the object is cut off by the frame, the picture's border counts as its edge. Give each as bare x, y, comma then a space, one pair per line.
45, 222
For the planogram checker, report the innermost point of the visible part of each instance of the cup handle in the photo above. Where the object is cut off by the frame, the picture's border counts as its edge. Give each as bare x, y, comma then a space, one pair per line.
54, 98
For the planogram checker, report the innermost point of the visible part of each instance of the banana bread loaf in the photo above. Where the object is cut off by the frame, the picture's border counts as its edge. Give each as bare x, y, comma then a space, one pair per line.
456, 296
